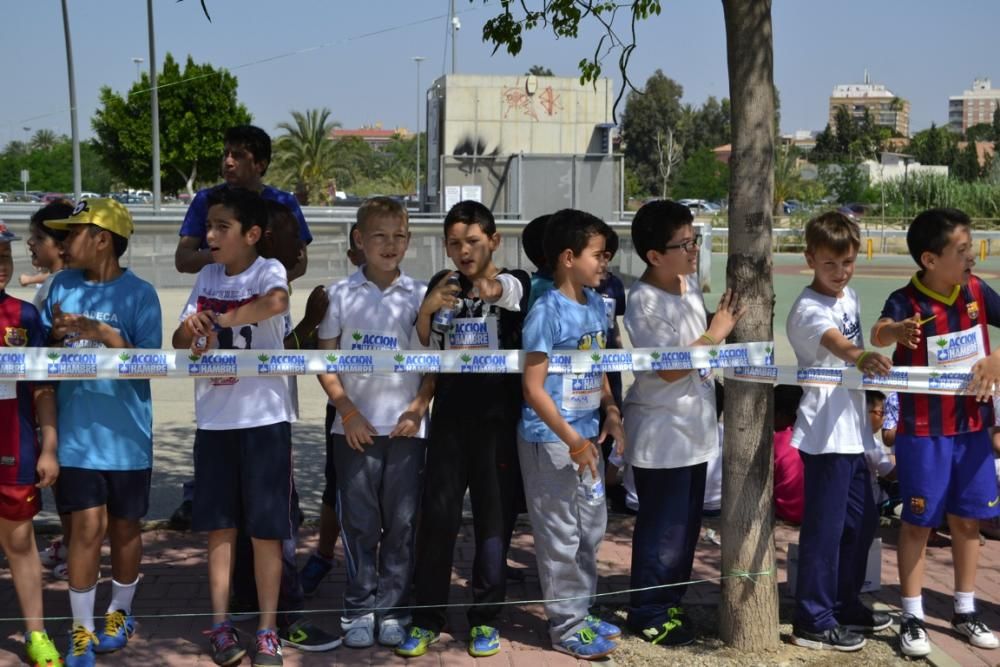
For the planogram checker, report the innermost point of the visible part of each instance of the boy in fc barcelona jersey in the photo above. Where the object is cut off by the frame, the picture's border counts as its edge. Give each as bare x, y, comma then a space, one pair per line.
943, 453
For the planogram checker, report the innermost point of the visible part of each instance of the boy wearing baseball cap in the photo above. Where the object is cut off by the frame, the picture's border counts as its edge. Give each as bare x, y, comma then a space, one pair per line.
106, 448
27, 457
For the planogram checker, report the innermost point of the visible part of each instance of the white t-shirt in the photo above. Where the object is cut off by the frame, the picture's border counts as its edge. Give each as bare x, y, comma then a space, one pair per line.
366, 318
245, 402
668, 424
830, 420
713, 479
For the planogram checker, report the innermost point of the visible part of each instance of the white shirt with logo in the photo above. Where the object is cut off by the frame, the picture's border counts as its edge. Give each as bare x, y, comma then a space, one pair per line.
244, 402
668, 424
367, 319
830, 419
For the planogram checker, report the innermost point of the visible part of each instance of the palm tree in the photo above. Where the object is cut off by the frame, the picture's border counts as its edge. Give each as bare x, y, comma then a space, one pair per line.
304, 155
44, 140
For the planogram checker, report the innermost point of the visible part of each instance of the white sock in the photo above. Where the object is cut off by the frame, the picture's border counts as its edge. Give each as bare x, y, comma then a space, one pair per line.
82, 604
965, 603
914, 606
121, 596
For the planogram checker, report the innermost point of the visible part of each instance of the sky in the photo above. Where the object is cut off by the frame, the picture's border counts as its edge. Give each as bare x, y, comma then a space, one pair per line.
355, 56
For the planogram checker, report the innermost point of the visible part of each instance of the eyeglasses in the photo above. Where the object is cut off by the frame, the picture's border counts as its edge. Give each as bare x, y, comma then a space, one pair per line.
686, 246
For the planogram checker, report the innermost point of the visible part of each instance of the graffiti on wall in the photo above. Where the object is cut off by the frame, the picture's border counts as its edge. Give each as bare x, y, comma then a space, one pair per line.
518, 101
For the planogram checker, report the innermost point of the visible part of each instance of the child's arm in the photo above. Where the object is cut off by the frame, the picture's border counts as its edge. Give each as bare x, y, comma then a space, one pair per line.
303, 336
889, 332
504, 290
196, 325
271, 303
441, 296
27, 279
408, 424
582, 451
867, 361
612, 419
357, 430
45, 413
78, 326
724, 319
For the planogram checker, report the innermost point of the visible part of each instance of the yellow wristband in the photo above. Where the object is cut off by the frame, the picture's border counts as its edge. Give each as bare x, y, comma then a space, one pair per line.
298, 345
708, 339
861, 359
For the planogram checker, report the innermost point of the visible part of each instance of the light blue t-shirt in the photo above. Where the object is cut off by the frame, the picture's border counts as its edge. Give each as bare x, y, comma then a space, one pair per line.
556, 322
107, 424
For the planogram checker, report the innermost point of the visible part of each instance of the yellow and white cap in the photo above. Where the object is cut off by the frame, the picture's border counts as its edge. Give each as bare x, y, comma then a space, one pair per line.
104, 213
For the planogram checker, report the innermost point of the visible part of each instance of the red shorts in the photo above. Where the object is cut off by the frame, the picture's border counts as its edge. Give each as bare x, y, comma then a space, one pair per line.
19, 502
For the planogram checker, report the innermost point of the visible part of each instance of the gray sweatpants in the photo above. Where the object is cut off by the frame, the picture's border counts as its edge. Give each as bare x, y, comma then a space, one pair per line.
567, 531
378, 493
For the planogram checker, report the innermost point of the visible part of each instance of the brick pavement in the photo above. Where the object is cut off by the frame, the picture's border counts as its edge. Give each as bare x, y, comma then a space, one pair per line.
174, 592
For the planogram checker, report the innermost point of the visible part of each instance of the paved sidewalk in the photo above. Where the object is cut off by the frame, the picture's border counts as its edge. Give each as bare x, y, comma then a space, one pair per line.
174, 592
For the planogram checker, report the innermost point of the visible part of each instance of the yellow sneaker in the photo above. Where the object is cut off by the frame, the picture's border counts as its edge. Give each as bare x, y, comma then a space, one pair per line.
41, 651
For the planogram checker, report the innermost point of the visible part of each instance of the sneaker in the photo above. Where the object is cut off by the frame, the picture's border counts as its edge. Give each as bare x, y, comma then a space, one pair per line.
838, 638
586, 644
226, 649
975, 630
81, 648
53, 554
675, 631
913, 641
118, 628
41, 650
417, 641
240, 611
268, 650
484, 641
305, 636
866, 620
391, 632
61, 571
181, 518
359, 632
602, 628
313, 573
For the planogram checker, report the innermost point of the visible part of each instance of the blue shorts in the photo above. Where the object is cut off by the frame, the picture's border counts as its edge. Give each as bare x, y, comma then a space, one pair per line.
124, 492
946, 474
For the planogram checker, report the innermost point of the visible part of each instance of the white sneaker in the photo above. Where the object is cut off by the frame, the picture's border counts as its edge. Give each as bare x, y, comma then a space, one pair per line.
391, 632
54, 554
975, 630
358, 631
913, 641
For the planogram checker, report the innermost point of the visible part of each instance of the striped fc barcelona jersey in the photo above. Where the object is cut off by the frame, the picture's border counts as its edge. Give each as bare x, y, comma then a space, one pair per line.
955, 334
20, 326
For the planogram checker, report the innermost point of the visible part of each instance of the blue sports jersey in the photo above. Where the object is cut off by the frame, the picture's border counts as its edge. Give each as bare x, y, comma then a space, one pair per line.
197, 213
555, 323
20, 327
107, 424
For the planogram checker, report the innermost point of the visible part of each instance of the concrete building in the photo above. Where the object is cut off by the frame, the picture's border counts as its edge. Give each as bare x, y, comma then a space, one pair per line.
885, 108
973, 106
523, 144
897, 167
374, 135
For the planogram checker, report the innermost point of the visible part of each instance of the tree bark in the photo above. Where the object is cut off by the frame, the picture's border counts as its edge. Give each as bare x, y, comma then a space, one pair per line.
749, 610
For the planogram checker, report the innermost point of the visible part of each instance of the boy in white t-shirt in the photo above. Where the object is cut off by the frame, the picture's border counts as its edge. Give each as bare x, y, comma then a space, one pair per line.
243, 446
832, 433
380, 428
671, 427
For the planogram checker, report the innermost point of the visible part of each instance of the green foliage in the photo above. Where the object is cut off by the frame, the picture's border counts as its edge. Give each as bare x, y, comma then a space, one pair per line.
847, 183
935, 145
197, 105
980, 132
966, 165
51, 168
539, 70
303, 157
649, 114
850, 139
979, 200
702, 176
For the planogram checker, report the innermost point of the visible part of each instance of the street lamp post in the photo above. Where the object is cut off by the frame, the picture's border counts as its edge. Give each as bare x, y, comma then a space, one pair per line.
420, 199
138, 67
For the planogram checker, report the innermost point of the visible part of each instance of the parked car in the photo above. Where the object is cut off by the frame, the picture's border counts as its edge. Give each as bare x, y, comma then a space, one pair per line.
3, 197
855, 211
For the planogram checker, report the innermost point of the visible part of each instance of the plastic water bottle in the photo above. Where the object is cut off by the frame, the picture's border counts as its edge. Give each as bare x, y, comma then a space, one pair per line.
595, 492
441, 323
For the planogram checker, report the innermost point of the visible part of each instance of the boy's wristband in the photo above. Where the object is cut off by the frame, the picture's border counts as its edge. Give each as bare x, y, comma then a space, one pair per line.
861, 359
877, 334
349, 416
708, 339
298, 345
574, 452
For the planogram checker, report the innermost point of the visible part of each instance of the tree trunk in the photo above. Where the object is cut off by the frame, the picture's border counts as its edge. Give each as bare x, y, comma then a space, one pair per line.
189, 181
749, 610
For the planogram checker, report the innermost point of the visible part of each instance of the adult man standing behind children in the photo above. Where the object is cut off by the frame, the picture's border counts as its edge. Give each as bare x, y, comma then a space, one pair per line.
379, 430
105, 426
832, 434
944, 458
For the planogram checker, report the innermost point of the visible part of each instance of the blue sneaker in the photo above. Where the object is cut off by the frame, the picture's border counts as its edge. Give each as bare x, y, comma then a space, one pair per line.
484, 641
118, 628
313, 573
586, 644
416, 642
602, 628
81, 648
